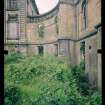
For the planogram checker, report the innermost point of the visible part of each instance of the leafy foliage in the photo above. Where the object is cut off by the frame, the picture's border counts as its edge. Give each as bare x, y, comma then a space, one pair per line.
81, 78
47, 80
95, 99
82, 47
41, 30
12, 95
12, 57
56, 22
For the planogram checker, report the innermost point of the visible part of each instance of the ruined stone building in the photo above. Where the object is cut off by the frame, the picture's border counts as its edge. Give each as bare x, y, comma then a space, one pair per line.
71, 30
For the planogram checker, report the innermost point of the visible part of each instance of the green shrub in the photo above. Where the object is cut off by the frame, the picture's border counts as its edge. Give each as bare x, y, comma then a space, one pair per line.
12, 57
82, 80
95, 99
47, 80
12, 95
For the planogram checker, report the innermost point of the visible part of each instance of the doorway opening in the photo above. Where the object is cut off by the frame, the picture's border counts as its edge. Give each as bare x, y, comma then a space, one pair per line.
40, 50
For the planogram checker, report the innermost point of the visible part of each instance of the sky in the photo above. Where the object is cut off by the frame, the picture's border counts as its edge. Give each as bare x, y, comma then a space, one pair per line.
45, 5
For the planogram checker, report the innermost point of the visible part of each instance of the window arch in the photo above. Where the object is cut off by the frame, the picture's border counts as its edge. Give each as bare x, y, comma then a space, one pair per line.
84, 14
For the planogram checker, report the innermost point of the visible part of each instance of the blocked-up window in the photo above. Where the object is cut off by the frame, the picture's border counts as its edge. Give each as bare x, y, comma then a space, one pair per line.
12, 28
63, 47
56, 49
12, 4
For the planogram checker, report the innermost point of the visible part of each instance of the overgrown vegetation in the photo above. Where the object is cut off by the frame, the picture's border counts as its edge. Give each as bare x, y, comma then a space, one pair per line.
12, 95
56, 22
46, 80
41, 30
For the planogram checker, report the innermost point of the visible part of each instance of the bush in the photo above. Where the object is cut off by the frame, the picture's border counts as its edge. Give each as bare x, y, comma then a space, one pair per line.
82, 80
12, 95
13, 57
95, 99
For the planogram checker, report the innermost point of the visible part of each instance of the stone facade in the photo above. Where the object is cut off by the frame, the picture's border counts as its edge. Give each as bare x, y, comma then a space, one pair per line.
60, 34
92, 37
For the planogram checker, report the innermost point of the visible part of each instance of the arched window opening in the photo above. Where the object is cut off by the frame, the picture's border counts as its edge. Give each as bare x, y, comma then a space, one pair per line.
84, 14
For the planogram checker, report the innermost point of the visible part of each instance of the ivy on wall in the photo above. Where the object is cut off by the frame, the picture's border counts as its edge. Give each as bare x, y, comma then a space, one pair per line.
84, 2
82, 52
41, 30
82, 47
56, 21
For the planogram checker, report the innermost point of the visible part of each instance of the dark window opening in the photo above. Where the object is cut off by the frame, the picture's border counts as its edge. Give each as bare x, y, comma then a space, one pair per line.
12, 17
90, 47
40, 50
85, 17
99, 51
56, 49
82, 49
6, 52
